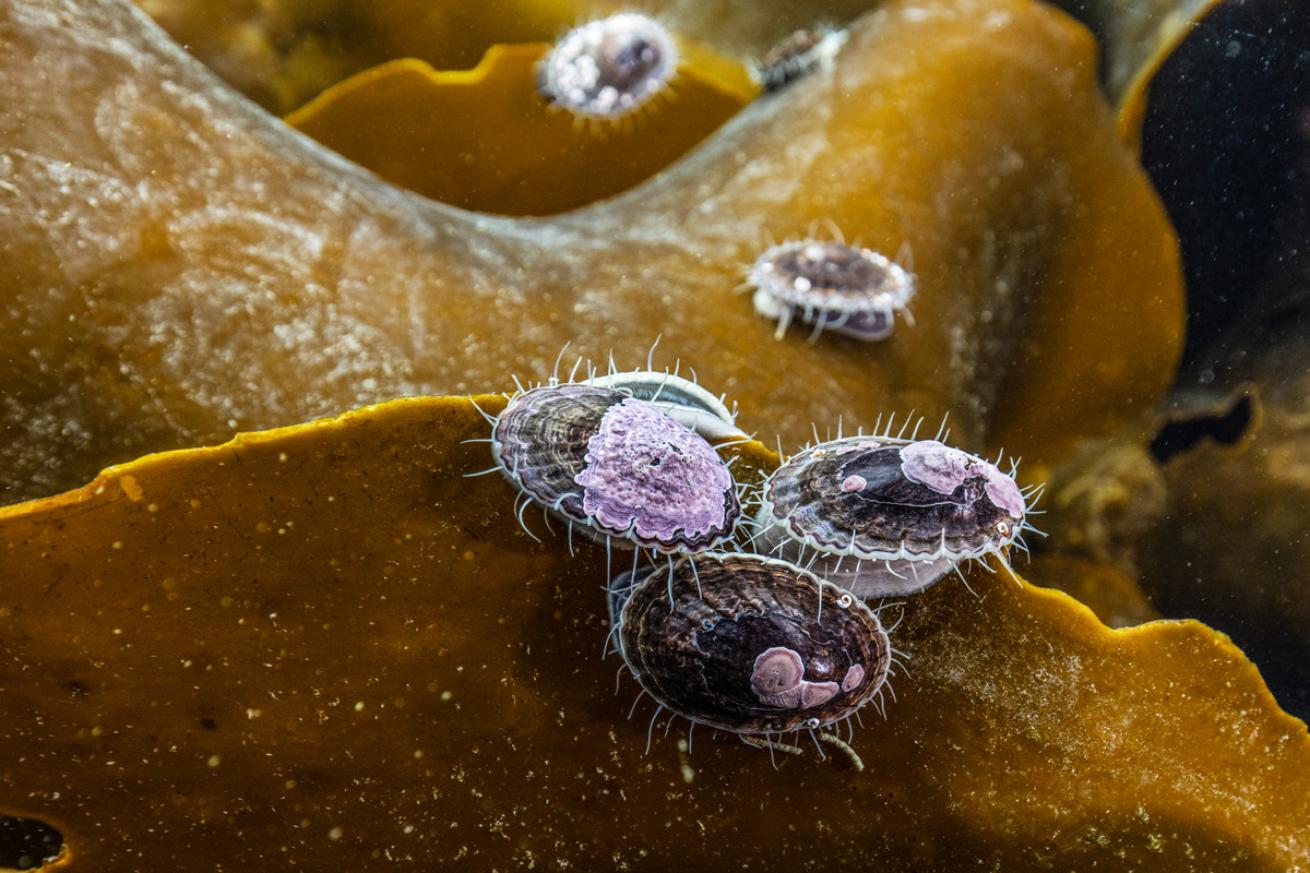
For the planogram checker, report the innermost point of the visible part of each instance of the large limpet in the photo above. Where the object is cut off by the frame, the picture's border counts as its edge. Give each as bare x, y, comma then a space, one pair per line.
615, 467
885, 516
749, 644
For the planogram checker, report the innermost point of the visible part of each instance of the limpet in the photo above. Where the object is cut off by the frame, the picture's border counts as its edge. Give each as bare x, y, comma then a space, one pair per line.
833, 286
748, 644
609, 67
615, 467
885, 516
796, 56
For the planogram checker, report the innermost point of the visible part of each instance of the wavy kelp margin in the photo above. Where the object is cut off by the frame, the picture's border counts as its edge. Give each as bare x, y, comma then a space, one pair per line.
511, 152
322, 646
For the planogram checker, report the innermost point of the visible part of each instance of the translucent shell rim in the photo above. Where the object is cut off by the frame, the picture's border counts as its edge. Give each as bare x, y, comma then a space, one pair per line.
683, 400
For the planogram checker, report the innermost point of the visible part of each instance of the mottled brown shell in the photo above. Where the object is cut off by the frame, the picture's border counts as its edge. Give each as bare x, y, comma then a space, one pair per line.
741, 643
621, 468
879, 531
540, 441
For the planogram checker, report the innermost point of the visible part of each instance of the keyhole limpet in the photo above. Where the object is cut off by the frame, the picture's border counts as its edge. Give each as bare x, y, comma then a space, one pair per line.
609, 67
832, 286
884, 516
749, 644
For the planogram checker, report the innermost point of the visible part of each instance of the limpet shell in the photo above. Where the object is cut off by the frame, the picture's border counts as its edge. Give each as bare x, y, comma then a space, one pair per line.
832, 286
609, 67
887, 516
616, 467
748, 644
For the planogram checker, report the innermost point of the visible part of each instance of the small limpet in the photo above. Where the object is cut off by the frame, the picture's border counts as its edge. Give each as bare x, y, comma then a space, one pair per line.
832, 286
749, 644
801, 53
609, 67
884, 516
615, 467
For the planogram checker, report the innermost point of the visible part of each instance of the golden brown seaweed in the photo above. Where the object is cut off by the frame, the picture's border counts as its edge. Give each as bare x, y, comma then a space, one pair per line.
284, 52
211, 271
482, 139
324, 647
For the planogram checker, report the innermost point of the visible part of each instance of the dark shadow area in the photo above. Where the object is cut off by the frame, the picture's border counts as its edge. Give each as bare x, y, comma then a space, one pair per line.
1221, 139
1224, 426
27, 844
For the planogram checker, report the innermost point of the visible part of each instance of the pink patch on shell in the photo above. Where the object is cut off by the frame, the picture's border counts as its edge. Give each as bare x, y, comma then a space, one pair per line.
943, 469
647, 472
817, 693
854, 483
937, 466
776, 671
1003, 491
853, 677
789, 699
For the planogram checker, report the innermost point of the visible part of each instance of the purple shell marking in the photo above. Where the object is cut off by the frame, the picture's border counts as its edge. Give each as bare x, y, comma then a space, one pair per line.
944, 469
648, 473
610, 67
742, 645
832, 286
887, 516
616, 467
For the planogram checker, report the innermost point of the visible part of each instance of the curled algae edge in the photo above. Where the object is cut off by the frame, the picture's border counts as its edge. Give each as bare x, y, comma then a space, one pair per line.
1211, 667
702, 65
1131, 110
514, 153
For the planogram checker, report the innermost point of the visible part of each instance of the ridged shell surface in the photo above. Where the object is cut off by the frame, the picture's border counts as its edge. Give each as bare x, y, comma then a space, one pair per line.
618, 466
888, 517
541, 441
743, 645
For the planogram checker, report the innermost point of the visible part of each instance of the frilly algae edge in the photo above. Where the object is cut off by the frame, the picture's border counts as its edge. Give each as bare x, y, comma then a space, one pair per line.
323, 643
511, 152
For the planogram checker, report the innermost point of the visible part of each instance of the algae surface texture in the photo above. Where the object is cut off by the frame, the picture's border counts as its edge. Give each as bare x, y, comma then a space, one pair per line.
184, 266
273, 267
233, 654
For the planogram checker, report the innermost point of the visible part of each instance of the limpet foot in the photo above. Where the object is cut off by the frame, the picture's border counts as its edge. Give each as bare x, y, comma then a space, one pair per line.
888, 516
